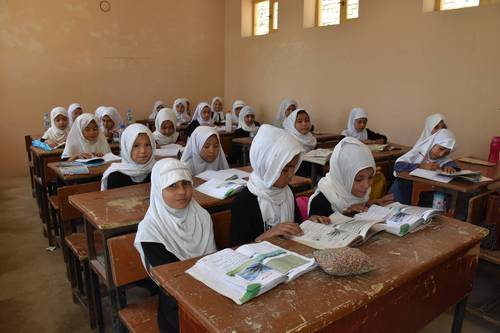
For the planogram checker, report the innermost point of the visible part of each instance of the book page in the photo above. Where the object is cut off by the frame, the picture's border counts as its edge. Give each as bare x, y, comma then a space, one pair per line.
168, 150
221, 189
432, 175
323, 236
358, 226
423, 212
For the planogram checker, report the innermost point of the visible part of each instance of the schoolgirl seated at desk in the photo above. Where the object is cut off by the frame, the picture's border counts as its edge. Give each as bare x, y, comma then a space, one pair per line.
247, 127
356, 128
180, 108
58, 131
433, 123
74, 110
202, 117
165, 130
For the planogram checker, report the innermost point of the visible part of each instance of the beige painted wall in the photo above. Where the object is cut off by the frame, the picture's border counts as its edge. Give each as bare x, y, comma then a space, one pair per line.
397, 62
55, 52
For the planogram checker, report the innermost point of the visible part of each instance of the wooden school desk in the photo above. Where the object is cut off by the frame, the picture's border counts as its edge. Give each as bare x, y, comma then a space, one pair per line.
454, 187
418, 277
118, 211
95, 173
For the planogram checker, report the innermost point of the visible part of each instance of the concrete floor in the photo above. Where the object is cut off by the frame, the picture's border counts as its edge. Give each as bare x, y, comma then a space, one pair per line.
35, 295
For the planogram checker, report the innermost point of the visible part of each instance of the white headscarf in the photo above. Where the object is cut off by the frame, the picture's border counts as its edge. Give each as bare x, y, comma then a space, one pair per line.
308, 140
127, 166
76, 142
272, 149
53, 133
163, 115
155, 107
186, 102
237, 104
186, 233
98, 114
351, 130
247, 110
281, 115
71, 109
349, 157
191, 155
421, 151
197, 114
430, 123
112, 113
182, 118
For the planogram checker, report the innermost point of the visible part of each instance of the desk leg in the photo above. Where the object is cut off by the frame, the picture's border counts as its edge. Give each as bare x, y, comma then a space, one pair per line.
458, 317
94, 294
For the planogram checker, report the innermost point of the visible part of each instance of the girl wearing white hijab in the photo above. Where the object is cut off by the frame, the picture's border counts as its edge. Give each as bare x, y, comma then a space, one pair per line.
165, 132
430, 154
346, 188
98, 113
110, 121
156, 107
247, 127
74, 110
218, 110
298, 124
58, 131
433, 123
188, 105
356, 128
286, 107
175, 228
202, 116
138, 157
85, 139
204, 152
235, 111
266, 208
180, 108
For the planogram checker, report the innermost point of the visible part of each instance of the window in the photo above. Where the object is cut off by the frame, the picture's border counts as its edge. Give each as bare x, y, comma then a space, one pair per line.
456, 4
330, 12
265, 17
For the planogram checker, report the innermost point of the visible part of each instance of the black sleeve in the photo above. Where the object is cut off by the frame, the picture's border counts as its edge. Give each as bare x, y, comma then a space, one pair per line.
375, 136
117, 179
246, 219
156, 254
256, 123
320, 206
191, 127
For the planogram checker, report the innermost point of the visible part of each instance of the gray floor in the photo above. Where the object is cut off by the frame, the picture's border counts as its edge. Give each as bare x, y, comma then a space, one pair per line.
35, 294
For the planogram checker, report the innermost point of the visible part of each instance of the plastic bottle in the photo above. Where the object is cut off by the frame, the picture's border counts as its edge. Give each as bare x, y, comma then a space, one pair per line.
229, 122
130, 117
46, 121
494, 150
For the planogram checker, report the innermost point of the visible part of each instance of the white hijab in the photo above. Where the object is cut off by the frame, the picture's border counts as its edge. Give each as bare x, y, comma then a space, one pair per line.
191, 155
98, 114
308, 140
247, 110
186, 102
53, 133
272, 149
76, 142
197, 114
127, 166
281, 114
163, 115
182, 118
215, 99
351, 130
186, 233
421, 151
430, 123
153, 114
237, 104
349, 157
71, 109
112, 113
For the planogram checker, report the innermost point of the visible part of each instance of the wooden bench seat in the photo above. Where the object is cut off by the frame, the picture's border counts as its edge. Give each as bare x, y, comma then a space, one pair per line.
77, 243
141, 317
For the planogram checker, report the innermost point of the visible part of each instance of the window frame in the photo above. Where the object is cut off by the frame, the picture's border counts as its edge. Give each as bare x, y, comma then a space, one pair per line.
439, 6
343, 13
272, 20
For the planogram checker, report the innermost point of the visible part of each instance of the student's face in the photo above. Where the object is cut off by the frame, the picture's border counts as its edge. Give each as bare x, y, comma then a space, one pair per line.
108, 123
290, 109
360, 123
61, 122
438, 152
159, 107
167, 128
362, 182
439, 126
210, 150
205, 113
179, 108
77, 112
178, 195
303, 123
141, 150
91, 132
237, 110
217, 106
287, 173
249, 119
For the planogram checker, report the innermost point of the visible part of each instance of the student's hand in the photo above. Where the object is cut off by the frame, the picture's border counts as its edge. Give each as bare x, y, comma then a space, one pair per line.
429, 166
286, 229
384, 201
449, 169
379, 141
320, 219
98, 154
51, 143
359, 208
85, 155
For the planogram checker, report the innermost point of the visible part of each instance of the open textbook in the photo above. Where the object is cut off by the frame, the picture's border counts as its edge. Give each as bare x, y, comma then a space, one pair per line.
382, 147
250, 270
170, 150
344, 231
221, 189
227, 174
109, 157
318, 156
443, 177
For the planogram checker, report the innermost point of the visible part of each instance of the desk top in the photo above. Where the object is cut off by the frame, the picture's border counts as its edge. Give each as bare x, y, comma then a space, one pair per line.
391, 154
115, 147
316, 299
320, 137
94, 172
125, 206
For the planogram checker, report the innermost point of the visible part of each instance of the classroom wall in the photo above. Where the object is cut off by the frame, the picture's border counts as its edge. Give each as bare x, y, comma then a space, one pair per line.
396, 61
55, 52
